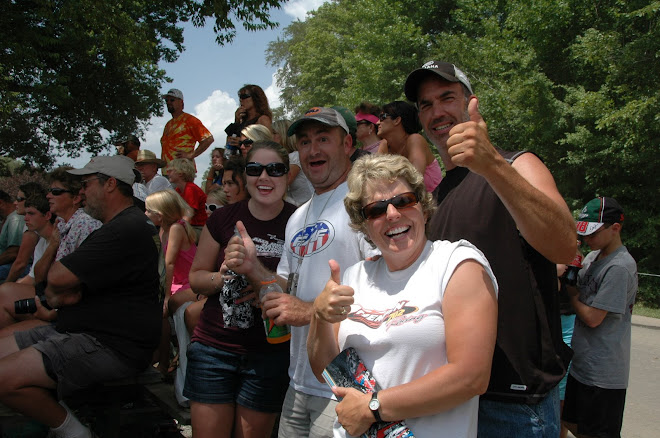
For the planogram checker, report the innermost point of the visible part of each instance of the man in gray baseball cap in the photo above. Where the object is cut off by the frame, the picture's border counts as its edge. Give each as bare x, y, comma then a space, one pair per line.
115, 269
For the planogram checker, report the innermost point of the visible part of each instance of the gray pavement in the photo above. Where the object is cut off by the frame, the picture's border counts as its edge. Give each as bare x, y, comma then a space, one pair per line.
641, 418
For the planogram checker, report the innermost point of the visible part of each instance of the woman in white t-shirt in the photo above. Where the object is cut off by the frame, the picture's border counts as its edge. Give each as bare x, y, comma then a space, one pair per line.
423, 317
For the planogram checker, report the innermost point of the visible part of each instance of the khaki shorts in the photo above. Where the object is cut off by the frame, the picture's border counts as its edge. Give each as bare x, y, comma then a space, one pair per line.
73, 360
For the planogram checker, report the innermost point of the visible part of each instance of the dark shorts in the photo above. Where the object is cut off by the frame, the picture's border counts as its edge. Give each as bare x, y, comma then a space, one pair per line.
596, 412
73, 360
257, 381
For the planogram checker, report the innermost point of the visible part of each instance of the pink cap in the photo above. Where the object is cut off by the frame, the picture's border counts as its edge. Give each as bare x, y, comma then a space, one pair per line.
368, 117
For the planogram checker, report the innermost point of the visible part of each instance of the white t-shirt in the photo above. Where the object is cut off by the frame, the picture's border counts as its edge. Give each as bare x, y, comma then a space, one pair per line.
397, 327
314, 239
39, 249
157, 184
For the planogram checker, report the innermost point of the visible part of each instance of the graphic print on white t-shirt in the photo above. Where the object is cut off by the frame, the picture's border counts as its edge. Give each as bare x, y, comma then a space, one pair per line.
396, 316
312, 239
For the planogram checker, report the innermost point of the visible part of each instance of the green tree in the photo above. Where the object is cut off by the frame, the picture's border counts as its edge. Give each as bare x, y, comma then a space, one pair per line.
70, 70
346, 52
575, 81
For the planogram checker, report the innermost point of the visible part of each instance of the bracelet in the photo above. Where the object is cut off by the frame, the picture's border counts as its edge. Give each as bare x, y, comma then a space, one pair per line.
212, 284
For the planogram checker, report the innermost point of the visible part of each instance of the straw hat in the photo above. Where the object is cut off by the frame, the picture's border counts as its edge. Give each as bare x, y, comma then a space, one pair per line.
146, 156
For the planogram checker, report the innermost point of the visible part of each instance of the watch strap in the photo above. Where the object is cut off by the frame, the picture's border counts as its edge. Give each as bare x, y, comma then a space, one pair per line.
374, 396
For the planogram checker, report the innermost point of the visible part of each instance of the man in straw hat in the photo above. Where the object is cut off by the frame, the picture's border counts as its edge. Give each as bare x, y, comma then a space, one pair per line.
148, 165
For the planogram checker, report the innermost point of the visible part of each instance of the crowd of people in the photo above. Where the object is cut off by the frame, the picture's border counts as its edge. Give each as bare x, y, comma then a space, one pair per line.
447, 287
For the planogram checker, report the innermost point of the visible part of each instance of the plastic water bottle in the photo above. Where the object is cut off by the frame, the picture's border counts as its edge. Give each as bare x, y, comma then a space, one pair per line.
275, 334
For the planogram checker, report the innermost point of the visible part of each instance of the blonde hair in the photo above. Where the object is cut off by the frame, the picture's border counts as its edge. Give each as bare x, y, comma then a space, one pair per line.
185, 167
282, 127
172, 208
257, 132
373, 168
218, 196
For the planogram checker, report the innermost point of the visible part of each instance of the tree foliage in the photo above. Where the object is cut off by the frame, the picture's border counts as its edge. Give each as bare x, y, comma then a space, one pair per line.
70, 70
576, 81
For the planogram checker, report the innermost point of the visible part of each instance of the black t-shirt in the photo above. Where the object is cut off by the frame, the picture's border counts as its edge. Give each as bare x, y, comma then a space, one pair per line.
268, 237
118, 269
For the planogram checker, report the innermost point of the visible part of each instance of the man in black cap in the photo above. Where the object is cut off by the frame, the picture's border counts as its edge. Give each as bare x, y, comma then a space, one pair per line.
109, 315
507, 204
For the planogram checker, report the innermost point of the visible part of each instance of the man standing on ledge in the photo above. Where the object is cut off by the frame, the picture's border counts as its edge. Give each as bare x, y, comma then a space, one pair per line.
507, 204
183, 131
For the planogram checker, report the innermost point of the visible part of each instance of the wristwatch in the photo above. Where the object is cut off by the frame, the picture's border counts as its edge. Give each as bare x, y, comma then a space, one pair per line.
374, 405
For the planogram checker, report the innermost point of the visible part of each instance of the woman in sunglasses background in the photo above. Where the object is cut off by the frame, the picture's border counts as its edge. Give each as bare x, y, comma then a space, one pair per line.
253, 133
236, 380
422, 318
253, 110
366, 116
399, 126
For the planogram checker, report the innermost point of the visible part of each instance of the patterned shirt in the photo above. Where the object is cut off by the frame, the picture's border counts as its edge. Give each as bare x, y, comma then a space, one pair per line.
181, 134
74, 231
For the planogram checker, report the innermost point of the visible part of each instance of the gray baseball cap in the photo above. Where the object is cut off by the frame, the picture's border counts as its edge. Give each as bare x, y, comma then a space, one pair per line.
173, 92
327, 116
117, 166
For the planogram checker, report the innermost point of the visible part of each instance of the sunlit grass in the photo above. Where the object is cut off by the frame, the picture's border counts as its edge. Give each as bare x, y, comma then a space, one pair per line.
642, 310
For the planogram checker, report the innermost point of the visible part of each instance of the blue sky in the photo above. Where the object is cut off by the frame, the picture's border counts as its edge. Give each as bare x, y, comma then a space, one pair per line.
210, 76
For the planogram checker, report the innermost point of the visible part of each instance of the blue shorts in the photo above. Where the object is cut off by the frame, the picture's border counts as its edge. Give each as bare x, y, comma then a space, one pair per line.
501, 419
257, 381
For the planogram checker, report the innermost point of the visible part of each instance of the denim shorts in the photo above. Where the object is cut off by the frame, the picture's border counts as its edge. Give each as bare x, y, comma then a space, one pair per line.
257, 381
500, 419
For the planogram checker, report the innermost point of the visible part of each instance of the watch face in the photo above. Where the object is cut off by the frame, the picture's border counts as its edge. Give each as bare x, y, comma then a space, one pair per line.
374, 404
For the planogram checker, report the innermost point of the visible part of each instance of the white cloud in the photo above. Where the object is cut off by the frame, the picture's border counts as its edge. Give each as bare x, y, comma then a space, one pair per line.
298, 8
273, 93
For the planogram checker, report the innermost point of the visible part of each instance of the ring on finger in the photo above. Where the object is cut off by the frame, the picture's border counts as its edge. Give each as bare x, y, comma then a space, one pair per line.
343, 310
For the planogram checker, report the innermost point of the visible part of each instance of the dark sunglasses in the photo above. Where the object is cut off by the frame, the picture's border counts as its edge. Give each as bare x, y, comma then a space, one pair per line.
171, 99
379, 208
383, 116
244, 96
20, 198
364, 122
56, 191
246, 142
213, 207
272, 169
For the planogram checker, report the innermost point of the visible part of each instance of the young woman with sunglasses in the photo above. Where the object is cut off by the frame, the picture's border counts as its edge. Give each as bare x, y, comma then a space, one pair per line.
399, 127
236, 380
253, 110
252, 133
422, 318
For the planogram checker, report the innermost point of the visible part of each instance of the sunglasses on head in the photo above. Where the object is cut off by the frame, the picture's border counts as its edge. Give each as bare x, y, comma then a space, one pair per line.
379, 208
20, 198
244, 96
213, 207
273, 169
246, 142
56, 191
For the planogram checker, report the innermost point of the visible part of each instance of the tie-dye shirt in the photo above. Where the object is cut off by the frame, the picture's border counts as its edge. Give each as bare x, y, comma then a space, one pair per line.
181, 134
